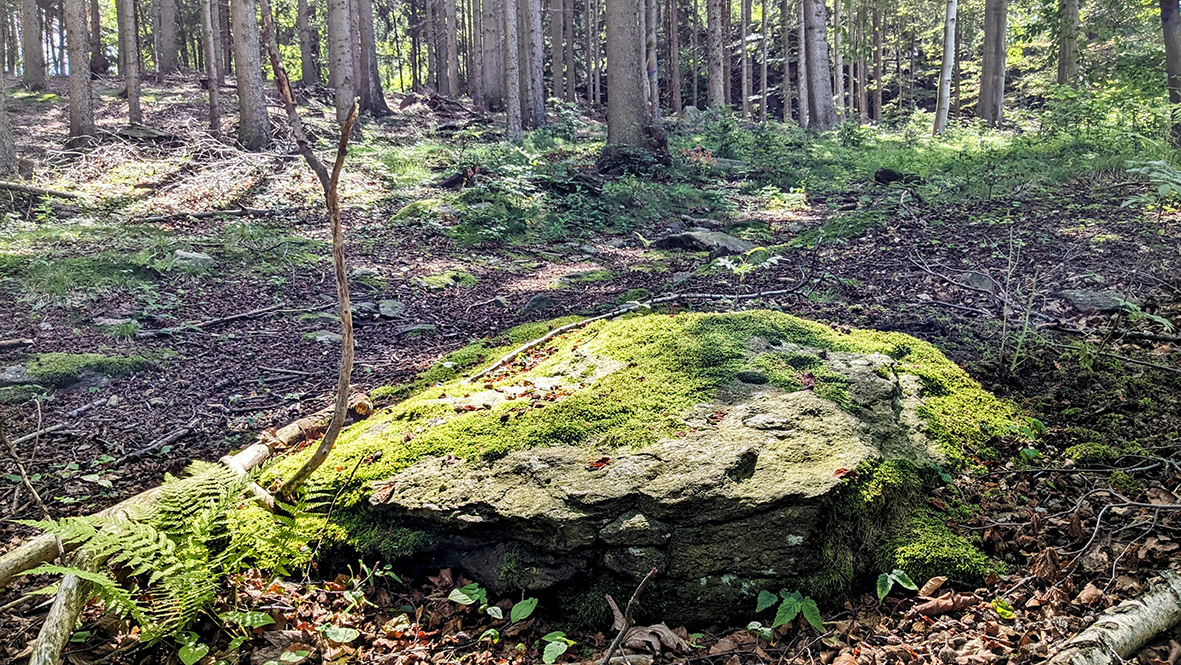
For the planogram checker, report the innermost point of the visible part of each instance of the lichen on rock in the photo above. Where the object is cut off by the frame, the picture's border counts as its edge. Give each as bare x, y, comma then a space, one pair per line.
714, 447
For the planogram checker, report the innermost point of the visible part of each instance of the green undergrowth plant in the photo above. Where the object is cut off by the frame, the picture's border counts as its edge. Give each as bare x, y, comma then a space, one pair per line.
161, 564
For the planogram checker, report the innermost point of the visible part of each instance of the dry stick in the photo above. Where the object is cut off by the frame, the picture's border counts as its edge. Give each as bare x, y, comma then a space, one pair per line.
626, 622
14, 343
236, 212
1145, 363
32, 435
329, 183
207, 323
26, 189
158, 443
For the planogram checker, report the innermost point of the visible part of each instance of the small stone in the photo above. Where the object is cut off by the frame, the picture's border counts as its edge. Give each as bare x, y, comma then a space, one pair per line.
714, 242
980, 281
365, 310
391, 309
195, 260
1099, 301
45, 325
416, 329
106, 321
324, 337
537, 303
14, 376
157, 402
500, 301
588, 249
114, 400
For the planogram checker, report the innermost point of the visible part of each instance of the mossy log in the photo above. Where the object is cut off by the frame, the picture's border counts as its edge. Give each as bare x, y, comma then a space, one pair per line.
1124, 629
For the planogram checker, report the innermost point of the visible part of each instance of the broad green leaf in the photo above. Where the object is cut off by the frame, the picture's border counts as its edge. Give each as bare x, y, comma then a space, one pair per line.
766, 599
556, 636
812, 614
523, 609
885, 583
754, 626
901, 578
787, 611
293, 656
341, 634
495, 612
247, 619
191, 653
1003, 609
490, 634
553, 651
465, 595
237, 642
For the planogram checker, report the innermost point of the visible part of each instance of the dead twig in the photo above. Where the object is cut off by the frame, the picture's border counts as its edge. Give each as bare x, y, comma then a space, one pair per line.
153, 446
14, 343
623, 622
39, 191
205, 324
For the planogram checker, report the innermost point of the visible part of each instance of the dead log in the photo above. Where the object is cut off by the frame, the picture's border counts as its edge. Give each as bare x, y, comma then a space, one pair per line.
14, 343
38, 191
1124, 629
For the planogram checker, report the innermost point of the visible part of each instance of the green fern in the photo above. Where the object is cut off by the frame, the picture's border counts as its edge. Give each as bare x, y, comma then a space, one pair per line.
174, 554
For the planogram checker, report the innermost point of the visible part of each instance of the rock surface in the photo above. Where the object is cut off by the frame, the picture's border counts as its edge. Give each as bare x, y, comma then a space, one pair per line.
194, 260
714, 242
1100, 301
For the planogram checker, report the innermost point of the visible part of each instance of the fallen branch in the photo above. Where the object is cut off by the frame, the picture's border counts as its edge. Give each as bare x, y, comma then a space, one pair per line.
205, 324
39, 191
623, 621
1145, 363
155, 445
14, 343
237, 212
32, 435
1122, 630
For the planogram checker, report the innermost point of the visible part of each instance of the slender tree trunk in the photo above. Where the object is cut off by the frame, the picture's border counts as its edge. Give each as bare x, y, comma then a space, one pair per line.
587, 20
81, 102
694, 56
130, 38
728, 50
8, 163
822, 114
627, 114
476, 51
254, 125
943, 102
493, 70
340, 58
839, 57
992, 80
674, 56
1170, 18
650, 23
557, 57
32, 53
571, 74
802, 68
98, 59
592, 46
370, 74
1068, 26
715, 70
212, 73
957, 100
534, 65
512, 72
309, 69
744, 58
166, 40
766, 38
360, 91
432, 60
121, 19
451, 55
878, 80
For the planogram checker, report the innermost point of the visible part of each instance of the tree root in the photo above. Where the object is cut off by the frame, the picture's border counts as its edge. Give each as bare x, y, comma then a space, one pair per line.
1125, 628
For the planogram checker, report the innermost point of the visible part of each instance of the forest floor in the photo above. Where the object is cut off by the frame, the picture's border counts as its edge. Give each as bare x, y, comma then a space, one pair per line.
1053, 294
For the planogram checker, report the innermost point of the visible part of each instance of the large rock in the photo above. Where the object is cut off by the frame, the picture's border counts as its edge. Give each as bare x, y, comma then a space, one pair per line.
723, 450
714, 242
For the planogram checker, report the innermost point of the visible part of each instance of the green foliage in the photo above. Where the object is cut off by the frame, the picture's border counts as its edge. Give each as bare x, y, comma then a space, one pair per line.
61, 369
886, 582
791, 605
163, 563
556, 644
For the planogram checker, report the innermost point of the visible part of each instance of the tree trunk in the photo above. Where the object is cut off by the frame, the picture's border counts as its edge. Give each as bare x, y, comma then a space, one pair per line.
957, 100
763, 72
785, 36
1068, 27
340, 58
533, 68
475, 79
674, 57
650, 60
822, 114
595, 59
212, 72
1170, 18
943, 102
694, 57
557, 58
254, 125
992, 79
744, 58
627, 116
81, 102
8, 164
727, 50
130, 71
370, 75
512, 72
98, 59
309, 70
451, 50
32, 54
571, 74
588, 21
493, 69
802, 68
715, 92
839, 57
878, 80
168, 45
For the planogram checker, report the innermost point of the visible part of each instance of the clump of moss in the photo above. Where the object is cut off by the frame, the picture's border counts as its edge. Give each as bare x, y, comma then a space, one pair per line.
19, 394
61, 369
795, 370
1124, 482
927, 548
448, 279
634, 295
1093, 452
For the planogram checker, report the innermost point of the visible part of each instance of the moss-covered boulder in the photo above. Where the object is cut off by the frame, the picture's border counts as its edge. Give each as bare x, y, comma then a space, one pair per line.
733, 452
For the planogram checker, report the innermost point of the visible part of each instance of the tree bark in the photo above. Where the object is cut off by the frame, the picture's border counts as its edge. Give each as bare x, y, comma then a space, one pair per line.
674, 56
557, 58
32, 54
727, 50
8, 163
694, 56
98, 59
802, 68
493, 49
1068, 27
839, 58
744, 58
451, 50
763, 71
1123, 630
130, 38
168, 45
81, 102
992, 79
785, 47
650, 67
1170, 18
254, 124
340, 58
943, 101
512, 72
309, 69
571, 72
370, 75
212, 71
534, 66
475, 79
822, 114
878, 79
715, 89
627, 116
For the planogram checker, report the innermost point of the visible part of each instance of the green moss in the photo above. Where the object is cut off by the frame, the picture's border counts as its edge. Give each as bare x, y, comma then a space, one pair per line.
61, 369
370, 533
417, 209
795, 370
1124, 482
927, 548
448, 279
19, 394
634, 295
654, 368
1093, 452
